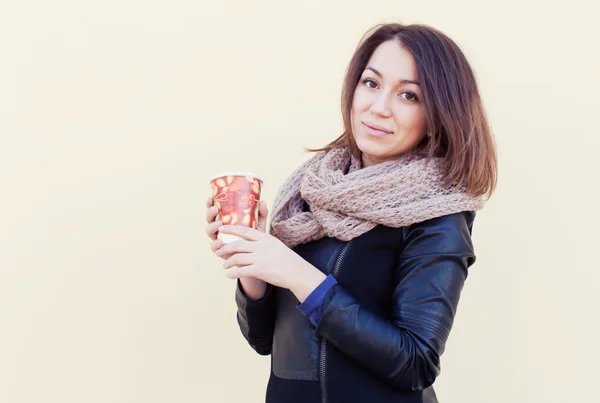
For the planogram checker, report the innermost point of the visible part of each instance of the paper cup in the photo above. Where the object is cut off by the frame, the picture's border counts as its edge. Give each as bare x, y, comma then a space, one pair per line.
237, 196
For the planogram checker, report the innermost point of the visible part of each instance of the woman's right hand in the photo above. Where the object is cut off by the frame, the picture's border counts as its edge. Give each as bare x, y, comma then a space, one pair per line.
212, 228
253, 287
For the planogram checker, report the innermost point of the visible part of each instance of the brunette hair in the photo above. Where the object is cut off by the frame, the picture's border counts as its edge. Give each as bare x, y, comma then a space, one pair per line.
456, 120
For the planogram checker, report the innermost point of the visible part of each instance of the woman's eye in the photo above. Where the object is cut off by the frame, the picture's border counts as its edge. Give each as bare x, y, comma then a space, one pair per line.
370, 83
409, 96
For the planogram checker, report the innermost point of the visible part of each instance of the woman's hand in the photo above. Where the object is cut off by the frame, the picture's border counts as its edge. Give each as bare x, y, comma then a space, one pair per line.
265, 257
211, 214
213, 226
253, 288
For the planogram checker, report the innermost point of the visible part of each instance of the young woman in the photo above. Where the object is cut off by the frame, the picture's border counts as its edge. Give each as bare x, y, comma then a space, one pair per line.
354, 289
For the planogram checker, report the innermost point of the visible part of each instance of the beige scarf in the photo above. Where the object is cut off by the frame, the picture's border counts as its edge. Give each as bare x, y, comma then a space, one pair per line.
347, 201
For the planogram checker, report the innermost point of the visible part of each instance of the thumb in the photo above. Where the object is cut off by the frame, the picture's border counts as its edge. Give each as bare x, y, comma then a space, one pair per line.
261, 224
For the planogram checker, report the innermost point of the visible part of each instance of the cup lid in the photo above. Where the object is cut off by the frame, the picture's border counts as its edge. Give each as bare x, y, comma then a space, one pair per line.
237, 173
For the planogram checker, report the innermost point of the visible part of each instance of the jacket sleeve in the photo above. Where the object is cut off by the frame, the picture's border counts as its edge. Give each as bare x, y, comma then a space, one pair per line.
404, 350
256, 318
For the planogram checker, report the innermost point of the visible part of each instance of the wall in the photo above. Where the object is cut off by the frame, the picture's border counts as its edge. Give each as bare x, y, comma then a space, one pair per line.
113, 115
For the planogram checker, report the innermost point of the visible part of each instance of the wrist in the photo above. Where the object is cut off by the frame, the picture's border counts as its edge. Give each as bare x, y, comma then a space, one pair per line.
253, 288
306, 283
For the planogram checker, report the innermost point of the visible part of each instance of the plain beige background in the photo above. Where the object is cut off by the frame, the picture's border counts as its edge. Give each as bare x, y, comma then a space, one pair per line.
114, 114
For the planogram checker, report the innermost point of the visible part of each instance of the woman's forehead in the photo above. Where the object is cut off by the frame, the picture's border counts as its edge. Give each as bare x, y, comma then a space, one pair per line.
391, 61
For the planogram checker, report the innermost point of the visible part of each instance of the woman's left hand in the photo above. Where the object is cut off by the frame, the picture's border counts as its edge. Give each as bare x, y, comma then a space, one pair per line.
262, 256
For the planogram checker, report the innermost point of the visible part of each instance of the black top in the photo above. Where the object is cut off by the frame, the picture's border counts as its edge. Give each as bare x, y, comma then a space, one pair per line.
384, 325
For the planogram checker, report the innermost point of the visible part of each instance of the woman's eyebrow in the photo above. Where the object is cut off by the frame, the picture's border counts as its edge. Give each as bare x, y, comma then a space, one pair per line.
402, 81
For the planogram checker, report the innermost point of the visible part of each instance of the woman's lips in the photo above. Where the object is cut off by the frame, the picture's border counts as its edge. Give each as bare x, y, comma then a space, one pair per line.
374, 131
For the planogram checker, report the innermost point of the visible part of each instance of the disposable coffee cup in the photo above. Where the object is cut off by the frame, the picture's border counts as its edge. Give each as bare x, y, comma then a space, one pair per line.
237, 196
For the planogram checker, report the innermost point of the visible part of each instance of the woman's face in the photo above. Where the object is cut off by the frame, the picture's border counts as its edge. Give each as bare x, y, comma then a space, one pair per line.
388, 114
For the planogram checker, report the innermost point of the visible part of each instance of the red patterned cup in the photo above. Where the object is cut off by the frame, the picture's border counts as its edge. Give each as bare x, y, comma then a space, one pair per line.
237, 196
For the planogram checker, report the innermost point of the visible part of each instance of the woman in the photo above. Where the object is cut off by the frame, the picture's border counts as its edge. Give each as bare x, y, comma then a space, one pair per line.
354, 291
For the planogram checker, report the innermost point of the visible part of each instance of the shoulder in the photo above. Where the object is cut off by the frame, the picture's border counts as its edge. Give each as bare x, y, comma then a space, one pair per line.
449, 221
445, 234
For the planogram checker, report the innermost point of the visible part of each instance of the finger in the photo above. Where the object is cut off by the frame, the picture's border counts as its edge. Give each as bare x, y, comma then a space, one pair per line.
212, 229
263, 212
239, 259
211, 214
216, 245
238, 272
236, 247
209, 202
242, 231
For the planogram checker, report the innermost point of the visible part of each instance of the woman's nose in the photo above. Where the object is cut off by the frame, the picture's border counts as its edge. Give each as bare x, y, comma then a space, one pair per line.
381, 105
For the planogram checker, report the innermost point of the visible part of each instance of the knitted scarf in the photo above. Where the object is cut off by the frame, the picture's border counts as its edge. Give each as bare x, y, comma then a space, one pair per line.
347, 200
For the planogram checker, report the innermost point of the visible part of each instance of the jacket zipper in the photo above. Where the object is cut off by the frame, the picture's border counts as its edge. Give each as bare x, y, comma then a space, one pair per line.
323, 357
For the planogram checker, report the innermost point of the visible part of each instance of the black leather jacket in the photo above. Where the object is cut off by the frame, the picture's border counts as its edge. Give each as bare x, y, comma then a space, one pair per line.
384, 325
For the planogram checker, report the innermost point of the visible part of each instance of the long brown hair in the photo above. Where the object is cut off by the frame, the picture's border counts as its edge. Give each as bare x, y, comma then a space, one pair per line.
456, 120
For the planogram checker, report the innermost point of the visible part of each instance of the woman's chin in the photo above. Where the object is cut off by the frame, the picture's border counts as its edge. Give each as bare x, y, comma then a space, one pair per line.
372, 148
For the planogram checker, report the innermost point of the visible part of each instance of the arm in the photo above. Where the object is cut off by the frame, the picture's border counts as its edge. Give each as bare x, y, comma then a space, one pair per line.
256, 318
404, 351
